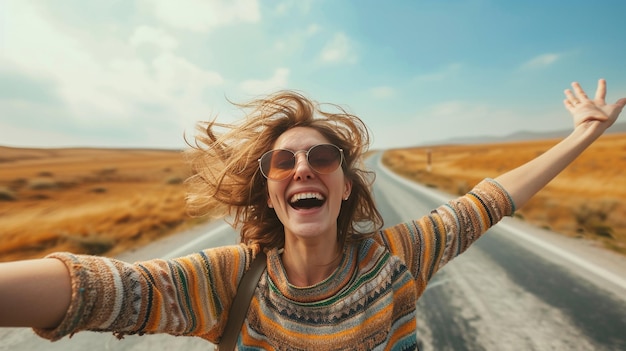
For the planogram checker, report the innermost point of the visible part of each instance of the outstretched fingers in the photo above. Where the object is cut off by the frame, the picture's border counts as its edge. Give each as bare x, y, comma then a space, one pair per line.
585, 110
601, 91
580, 93
577, 95
570, 99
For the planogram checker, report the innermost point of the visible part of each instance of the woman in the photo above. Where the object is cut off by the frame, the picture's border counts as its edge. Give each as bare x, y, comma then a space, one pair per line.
290, 174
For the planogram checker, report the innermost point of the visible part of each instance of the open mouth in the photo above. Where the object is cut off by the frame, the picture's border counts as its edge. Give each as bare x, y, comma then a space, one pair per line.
307, 200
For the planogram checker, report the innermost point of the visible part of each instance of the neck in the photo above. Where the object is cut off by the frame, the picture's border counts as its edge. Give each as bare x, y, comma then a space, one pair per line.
309, 264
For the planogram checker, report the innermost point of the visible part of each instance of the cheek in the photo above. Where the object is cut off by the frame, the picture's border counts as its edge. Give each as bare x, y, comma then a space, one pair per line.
273, 195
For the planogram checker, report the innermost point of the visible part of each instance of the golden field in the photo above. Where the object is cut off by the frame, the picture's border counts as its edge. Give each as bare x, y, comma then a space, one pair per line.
105, 201
587, 200
99, 201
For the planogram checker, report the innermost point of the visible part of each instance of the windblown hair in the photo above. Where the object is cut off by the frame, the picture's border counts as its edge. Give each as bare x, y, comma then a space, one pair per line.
226, 177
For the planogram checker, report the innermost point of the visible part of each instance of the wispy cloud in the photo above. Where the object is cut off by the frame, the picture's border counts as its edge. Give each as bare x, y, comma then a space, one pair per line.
466, 117
204, 15
152, 36
439, 75
288, 7
382, 92
543, 60
338, 50
257, 87
312, 29
102, 79
295, 40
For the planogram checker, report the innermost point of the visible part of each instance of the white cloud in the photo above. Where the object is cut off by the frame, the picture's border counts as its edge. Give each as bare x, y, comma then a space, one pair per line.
204, 15
338, 50
293, 41
258, 87
542, 61
440, 75
116, 90
288, 7
154, 36
455, 108
382, 92
67, 61
176, 74
27, 33
312, 29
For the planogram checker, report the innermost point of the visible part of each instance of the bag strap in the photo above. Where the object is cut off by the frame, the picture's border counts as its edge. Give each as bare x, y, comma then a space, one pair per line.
241, 303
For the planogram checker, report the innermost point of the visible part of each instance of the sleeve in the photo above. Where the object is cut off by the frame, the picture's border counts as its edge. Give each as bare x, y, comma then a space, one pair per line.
427, 244
190, 295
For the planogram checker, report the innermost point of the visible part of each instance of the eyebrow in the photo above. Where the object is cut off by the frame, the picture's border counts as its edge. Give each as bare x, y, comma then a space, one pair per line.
306, 148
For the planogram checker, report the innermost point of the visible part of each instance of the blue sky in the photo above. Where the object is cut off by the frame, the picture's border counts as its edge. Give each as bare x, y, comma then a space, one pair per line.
141, 73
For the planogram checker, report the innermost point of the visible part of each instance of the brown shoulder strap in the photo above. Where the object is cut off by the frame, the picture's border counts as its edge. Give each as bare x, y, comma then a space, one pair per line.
243, 296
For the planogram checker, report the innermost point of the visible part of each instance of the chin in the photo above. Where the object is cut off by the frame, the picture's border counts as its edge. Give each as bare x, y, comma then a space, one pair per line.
311, 230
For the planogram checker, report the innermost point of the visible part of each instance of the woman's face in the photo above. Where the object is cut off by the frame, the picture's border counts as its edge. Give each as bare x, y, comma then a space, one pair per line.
307, 220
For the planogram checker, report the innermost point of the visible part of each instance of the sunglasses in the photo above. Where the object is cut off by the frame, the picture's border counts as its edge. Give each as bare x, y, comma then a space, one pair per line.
279, 164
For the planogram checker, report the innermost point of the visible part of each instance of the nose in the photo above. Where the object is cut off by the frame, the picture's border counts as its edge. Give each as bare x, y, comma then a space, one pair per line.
302, 168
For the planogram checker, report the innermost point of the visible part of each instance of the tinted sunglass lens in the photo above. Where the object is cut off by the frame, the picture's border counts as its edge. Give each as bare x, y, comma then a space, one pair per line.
277, 164
324, 158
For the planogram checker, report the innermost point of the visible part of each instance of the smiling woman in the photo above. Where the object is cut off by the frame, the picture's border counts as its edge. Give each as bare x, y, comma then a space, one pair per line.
240, 185
292, 175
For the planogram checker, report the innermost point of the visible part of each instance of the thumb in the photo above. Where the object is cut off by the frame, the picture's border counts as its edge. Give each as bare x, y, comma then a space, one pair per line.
621, 102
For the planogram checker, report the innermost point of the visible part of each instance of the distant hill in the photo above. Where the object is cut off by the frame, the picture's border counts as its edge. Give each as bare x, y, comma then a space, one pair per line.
523, 136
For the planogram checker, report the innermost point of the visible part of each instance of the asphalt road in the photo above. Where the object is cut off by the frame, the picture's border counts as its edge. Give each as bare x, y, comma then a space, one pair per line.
517, 288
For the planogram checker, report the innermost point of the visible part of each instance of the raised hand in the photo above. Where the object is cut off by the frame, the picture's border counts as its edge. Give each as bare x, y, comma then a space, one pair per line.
589, 113
591, 119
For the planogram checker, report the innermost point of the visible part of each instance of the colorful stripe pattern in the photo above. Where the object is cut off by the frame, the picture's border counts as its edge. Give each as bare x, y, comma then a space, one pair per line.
368, 303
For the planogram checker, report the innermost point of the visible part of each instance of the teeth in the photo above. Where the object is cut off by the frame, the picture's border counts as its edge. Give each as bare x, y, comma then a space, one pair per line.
303, 196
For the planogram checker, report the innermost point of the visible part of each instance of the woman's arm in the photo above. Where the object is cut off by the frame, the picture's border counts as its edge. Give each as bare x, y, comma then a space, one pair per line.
34, 293
65, 293
591, 118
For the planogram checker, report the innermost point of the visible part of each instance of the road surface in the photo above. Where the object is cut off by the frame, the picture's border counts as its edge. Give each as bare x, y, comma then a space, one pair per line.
517, 288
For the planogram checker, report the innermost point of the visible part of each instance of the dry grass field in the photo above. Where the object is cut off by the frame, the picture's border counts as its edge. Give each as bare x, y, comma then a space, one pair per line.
587, 200
96, 201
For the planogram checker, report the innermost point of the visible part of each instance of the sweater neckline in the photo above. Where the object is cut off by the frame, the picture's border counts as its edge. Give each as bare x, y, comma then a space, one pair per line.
328, 287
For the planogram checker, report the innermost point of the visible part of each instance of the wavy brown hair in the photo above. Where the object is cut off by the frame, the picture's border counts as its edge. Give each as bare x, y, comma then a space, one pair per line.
226, 177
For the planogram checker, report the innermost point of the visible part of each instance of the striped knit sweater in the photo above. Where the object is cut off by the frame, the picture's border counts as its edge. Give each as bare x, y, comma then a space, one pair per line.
368, 303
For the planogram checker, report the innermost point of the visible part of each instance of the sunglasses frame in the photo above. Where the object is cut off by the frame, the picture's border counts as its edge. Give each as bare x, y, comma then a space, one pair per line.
295, 153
